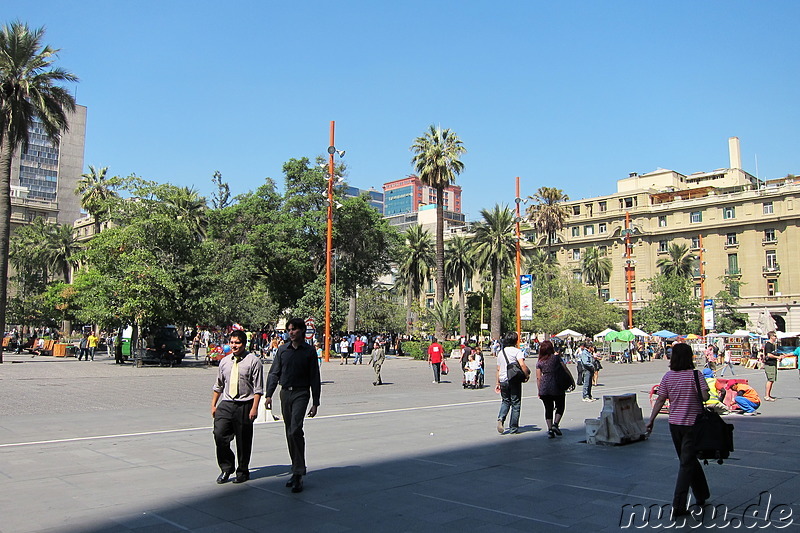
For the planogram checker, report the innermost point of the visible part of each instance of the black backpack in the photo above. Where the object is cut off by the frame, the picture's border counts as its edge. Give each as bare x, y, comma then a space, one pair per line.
713, 437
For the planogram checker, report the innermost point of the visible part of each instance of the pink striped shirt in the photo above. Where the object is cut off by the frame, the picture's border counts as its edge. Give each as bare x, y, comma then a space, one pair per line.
679, 388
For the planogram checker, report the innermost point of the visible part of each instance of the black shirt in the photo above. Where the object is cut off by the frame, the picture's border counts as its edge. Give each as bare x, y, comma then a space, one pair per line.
295, 368
769, 348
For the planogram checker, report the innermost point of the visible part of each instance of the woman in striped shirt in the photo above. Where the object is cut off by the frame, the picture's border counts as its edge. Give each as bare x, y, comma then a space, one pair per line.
679, 387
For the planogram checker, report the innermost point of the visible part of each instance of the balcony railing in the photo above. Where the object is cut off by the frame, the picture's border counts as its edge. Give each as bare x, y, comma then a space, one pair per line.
773, 267
769, 240
733, 271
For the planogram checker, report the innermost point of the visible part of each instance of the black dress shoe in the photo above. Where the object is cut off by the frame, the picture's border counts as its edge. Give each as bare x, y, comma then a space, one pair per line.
241, 478
297, 486
223, 477
290, 483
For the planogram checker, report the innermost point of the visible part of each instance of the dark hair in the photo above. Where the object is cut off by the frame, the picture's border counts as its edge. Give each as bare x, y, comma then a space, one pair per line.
682, 357
239, 334
510, 339
298, 323
546, 350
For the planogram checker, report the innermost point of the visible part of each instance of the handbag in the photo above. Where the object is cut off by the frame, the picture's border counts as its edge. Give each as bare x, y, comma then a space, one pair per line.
713, 437
513, 370
445, 370
564, 379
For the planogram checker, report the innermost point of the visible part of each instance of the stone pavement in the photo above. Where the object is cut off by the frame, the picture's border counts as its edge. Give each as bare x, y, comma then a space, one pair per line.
98, 447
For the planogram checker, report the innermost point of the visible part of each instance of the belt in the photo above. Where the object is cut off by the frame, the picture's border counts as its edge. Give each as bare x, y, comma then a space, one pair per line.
294, 388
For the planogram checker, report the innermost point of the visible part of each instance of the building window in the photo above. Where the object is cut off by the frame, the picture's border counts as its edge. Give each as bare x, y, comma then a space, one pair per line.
733, 265
696, 216
695, 243
728, 212
769, 235
603, 206
663, 246
576, 210
662, 221
605, 295
577, 275
730, 240
576, 231
588, 230
576, 254
772, 287
553, 257
603, 250
602, 228
627, 203
771, 261
768, 208
697, 291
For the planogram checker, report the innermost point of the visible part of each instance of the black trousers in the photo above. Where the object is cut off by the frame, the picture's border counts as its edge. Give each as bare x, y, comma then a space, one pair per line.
293, 410
232, 420
690, 472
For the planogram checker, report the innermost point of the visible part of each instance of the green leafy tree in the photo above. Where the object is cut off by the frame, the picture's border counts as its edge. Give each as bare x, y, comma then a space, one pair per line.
495, 250
673, 306
445, 314
97, 194
596, 268
29, 92
548, 214
459, 267
678, 262
726, 301
222, 196
437, 163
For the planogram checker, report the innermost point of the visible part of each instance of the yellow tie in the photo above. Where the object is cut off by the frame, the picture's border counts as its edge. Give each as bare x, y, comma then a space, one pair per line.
233, 386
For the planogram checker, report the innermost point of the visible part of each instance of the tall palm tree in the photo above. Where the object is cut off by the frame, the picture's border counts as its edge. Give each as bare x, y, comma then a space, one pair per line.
548, 215
596, 268
28, 91
190, 207
459, 267
541, 262
96, 191
436, 161
495, 250
416, 258
62, 246
679, 261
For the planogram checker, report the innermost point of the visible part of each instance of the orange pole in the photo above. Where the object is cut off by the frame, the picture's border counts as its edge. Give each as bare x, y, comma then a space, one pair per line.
519, 272
629, 268
329, 253
702, 290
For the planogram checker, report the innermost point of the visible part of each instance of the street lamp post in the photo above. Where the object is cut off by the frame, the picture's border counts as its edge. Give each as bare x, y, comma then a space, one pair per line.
518, 269
329, 243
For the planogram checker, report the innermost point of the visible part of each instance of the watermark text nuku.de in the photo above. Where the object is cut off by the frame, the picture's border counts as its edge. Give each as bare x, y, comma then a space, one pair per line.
764, 514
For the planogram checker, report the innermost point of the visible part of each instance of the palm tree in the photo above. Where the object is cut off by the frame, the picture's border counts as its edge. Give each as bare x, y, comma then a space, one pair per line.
459, 267
62, 246
96, 191
495, 250
541, 262
445, 314
679, 261
416, 258
190, 207
27, 92
548, 215
436, 161
596, 268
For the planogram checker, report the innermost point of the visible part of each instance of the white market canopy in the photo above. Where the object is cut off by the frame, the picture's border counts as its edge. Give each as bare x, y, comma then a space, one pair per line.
569, 333
638, 332
602, 334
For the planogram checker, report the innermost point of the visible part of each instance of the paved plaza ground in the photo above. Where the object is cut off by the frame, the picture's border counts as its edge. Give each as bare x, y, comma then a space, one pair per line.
99, 447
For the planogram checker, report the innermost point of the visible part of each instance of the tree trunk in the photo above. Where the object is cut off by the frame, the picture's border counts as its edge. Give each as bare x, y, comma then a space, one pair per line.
6, 153
351, 313
497, 302
409, 313
439, 255
462, 312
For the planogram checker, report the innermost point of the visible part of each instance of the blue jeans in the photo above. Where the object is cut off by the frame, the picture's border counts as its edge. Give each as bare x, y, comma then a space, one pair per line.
511, 398
747, 405
587, 383
727, 365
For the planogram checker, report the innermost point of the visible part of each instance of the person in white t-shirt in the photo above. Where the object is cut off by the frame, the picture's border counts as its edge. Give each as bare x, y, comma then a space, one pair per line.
510, 390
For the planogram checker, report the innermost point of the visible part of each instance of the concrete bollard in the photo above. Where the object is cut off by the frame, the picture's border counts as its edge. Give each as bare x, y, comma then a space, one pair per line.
620, 421
592, 427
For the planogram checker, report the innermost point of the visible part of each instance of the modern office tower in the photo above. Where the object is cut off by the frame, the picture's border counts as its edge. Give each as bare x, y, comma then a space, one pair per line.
406, 198
375, 197
44, 175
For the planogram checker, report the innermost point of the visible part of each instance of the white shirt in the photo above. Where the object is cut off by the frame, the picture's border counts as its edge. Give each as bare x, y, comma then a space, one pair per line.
512, 354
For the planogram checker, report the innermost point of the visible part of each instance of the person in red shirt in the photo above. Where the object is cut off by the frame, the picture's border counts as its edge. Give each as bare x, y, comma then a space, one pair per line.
435, 352
358, 351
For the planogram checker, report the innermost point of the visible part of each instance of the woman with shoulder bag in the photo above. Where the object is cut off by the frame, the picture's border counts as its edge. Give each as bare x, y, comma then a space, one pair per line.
553, 398
679, 387
511, 373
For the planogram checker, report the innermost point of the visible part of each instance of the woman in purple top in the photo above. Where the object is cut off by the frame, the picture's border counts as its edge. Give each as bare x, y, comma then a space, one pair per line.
679, 387
552, 397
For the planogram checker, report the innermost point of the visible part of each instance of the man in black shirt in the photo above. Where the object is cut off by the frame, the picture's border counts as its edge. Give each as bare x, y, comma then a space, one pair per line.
295, 367
771, 358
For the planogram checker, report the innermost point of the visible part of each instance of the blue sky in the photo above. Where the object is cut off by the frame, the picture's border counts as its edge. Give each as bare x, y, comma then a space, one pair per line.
568, 94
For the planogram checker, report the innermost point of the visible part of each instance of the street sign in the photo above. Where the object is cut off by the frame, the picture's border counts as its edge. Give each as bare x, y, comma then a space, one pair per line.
310, 330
